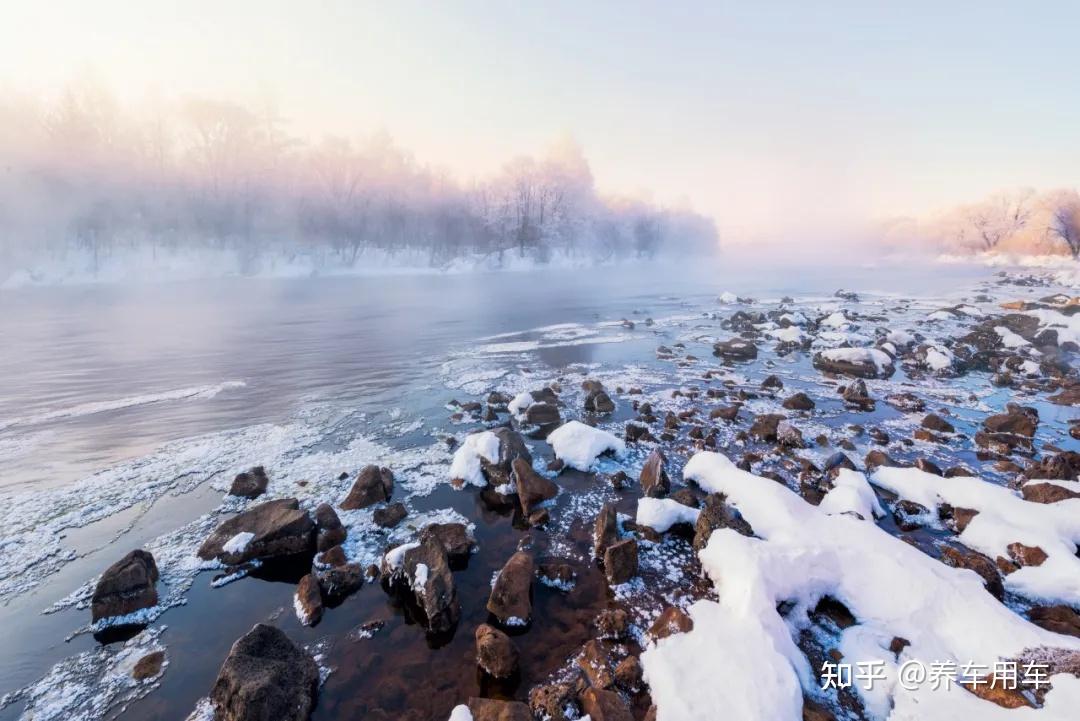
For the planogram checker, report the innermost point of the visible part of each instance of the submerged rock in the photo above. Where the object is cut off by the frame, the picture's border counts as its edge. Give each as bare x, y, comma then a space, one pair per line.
268, 530
373, 485
496, 654
799, 402
265, 676
423, 570
489, 709
735, 349
127, 586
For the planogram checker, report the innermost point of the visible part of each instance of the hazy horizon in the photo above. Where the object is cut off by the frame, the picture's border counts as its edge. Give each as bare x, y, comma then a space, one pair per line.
765, 119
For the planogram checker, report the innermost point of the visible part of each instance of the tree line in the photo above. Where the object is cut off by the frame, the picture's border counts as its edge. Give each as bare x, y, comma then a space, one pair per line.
81, 173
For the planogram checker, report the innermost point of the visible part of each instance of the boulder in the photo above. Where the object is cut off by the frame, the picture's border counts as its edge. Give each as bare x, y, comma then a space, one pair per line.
268, 530
856, 396
329, 531
906, 402
532, 488
424, 571
373, 485
654, 478
489, 709
389, 516
799, 402
671, 620
265, 676
788, 435
1023, 555
511, 446
496, 654
959, 556
594, 663
612, 623
511, 596
716, 513
543, 414
149, 666
605, 530
735, 349
772, 383
1016, 420
455, 539
628, 674
855, 362
934, 422
603, 705
1064, 466
308, 601
621, 561
339, 581
725, 413
1059, 619
126, 586
764, 426
250, 484
1047, 493
554, 701
598, 401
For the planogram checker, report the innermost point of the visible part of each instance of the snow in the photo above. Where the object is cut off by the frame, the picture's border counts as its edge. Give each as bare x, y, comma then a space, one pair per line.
801, 553
851, 493
298, 608
466, 464
938, 358
940, 315
1067, 326
900, 338
579, 445
520, 404
661, 514
1010, 339
395, 556
878, 358
420, 576
727, 298
1004, 517
837, 320
791, 334
238, 543
461, 712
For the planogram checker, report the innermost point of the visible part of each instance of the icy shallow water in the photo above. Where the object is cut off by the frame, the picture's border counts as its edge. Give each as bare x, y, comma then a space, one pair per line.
125, 412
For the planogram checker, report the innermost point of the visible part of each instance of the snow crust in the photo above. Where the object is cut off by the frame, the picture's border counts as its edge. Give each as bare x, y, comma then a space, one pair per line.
238, 543
579, 445
851, 493
461, 712
1010, 339
801, 553
880, 359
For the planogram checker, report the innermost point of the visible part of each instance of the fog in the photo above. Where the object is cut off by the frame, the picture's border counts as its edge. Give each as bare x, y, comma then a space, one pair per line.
87, 181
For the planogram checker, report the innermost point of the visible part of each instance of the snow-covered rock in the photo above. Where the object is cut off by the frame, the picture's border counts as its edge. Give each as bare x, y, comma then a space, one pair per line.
660, 514
466, 463
579, 445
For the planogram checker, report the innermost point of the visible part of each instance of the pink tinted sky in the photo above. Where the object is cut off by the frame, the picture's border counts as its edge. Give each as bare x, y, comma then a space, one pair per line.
769, 117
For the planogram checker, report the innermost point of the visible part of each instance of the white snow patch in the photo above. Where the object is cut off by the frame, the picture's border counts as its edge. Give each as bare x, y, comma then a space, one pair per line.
661, 514
238, 543
851, 493
466, 464
579, 445
1010, 339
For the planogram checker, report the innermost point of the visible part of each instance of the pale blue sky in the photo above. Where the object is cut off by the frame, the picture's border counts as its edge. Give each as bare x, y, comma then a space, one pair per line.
767, 115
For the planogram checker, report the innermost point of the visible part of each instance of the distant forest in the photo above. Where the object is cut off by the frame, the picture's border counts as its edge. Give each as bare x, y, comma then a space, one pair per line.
79, 173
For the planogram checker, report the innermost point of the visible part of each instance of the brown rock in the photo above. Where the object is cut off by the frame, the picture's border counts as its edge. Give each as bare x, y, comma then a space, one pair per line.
1059, 619
309, 600
598, 401
621, 561
391, 515
628, 674
148, 666
605, 530
328, 527
959, 556
542, 414
532, 488
1026, 555
612, 623
1047, 493
337, 582
372, 485
594, 662
126, 586
554, 701
278, 528
725, 413
856, 396
735, 349
511, 597
495, 652
654, 478
250, 484
934, 422
799, 402
489, 709
602, 705
671, 621
265, 676
764, 426
715, 514
433, 588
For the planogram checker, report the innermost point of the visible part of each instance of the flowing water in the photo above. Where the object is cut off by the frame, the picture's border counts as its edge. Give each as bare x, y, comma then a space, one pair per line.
124, 412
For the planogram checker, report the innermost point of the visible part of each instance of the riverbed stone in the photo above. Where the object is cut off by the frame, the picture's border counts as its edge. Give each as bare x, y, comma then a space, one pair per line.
127, 586
265, 676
